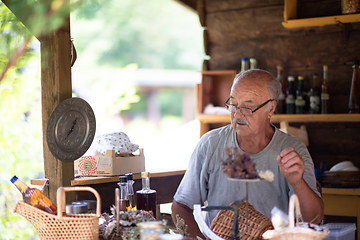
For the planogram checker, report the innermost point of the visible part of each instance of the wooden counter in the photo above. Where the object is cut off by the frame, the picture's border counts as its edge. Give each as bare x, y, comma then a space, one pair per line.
342, 202
165, 183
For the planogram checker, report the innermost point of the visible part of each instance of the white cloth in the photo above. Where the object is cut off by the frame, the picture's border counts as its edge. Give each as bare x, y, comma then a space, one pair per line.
117, 141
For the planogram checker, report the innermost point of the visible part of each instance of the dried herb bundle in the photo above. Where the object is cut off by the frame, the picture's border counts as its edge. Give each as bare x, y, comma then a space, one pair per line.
237, 165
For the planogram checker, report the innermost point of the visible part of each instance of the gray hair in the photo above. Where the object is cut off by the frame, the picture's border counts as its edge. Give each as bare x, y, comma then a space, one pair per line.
273, 84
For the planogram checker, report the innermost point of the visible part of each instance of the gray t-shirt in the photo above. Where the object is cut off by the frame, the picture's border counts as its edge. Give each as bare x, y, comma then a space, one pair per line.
204, 180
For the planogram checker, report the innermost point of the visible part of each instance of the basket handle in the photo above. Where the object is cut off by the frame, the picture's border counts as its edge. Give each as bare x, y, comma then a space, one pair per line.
60, 197
294, 205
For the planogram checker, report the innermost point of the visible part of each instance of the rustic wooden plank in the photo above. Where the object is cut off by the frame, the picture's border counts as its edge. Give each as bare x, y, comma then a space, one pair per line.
295, 51
56, 87
227, 5
264, 22
200, 7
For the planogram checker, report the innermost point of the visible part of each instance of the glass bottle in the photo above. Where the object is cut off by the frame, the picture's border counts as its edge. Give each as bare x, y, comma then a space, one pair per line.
253, 63
280, 107
315, 95
290, 96
354, 100
130, 183
123, 198
34, 196
244, 64
325, 92
146, 197
300, 101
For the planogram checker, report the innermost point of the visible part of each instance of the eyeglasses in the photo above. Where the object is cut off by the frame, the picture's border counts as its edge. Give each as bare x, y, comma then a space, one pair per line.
245, 111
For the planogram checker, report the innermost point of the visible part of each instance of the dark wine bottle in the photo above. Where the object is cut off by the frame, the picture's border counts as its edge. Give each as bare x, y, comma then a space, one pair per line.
146, 197
354, 100
325, 96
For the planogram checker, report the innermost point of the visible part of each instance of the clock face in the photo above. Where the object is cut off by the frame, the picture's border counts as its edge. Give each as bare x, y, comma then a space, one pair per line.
71, 129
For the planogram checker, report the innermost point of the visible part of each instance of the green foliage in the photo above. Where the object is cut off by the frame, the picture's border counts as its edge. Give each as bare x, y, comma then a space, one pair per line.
153, 34
40, 17
20, 126
119, 36
20, 147
170, 102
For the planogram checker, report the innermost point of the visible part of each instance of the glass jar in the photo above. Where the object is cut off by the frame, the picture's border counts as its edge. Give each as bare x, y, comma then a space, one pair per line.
350, 6
150, 230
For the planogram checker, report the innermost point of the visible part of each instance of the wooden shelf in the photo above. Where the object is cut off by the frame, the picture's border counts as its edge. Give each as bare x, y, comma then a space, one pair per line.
321, 21
203, 118
291, 21
99, 180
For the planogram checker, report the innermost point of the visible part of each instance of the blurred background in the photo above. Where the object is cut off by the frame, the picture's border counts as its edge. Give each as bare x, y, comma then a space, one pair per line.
138, 63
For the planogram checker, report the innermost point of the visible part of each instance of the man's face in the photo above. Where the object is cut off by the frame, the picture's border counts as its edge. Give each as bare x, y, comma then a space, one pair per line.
246, 93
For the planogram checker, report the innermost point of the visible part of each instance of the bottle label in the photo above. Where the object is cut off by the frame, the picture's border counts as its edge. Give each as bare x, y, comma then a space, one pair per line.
315, 103
282, 96
290, 99
325, 96
299, 102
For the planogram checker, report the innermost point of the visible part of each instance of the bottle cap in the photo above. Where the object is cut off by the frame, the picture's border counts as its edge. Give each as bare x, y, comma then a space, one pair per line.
145, 174
13, 179
356, 62
122, 179
244, 59
325, 67
315, 75
129, 176
300, 78
290, 78
279, 68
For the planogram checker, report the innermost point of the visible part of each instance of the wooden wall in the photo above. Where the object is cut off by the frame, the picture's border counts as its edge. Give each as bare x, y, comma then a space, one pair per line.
252, 28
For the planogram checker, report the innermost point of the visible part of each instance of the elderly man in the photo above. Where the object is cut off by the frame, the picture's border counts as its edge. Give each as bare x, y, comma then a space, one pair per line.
252, 102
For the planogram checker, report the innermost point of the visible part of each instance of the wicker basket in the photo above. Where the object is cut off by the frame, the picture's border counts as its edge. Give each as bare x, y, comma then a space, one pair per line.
257, 223
71, 226
295, 231
341, 179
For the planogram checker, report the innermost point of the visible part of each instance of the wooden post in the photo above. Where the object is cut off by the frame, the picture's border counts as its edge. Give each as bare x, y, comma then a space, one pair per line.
56, 87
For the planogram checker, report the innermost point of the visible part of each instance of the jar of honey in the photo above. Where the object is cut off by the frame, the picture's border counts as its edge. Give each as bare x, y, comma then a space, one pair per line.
150, 230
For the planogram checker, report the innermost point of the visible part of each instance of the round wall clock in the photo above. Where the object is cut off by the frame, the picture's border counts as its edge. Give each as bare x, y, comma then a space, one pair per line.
70, 129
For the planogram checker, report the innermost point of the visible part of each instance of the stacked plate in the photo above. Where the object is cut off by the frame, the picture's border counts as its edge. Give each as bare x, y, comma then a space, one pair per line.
344, 166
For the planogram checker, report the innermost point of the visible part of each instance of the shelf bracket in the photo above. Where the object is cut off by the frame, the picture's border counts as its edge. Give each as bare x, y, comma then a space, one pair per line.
346, 31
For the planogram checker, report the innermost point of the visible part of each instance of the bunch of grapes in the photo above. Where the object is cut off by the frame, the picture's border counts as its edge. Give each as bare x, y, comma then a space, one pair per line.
236, 165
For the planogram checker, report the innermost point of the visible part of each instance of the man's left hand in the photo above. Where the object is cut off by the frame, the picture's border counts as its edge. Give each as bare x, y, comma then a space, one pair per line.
291, 165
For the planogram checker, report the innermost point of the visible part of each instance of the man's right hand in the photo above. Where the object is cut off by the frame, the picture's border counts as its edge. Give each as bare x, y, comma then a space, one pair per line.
186, 214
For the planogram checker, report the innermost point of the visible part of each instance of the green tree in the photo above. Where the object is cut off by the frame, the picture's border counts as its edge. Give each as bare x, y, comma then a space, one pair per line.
116, 35
153, 34
20, 125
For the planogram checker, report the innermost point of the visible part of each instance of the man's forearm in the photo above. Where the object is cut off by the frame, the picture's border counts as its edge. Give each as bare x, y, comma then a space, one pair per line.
311, 205
187, 215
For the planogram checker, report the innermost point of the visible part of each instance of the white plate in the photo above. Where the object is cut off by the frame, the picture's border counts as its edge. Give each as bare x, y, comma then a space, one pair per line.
341, 165
245, 180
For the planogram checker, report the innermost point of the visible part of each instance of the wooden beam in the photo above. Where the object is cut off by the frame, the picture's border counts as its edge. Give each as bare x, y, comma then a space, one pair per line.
55, 87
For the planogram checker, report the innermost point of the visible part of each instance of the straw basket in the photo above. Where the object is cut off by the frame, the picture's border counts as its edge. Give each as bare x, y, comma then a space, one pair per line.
299, 230
71, 226
257, 223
